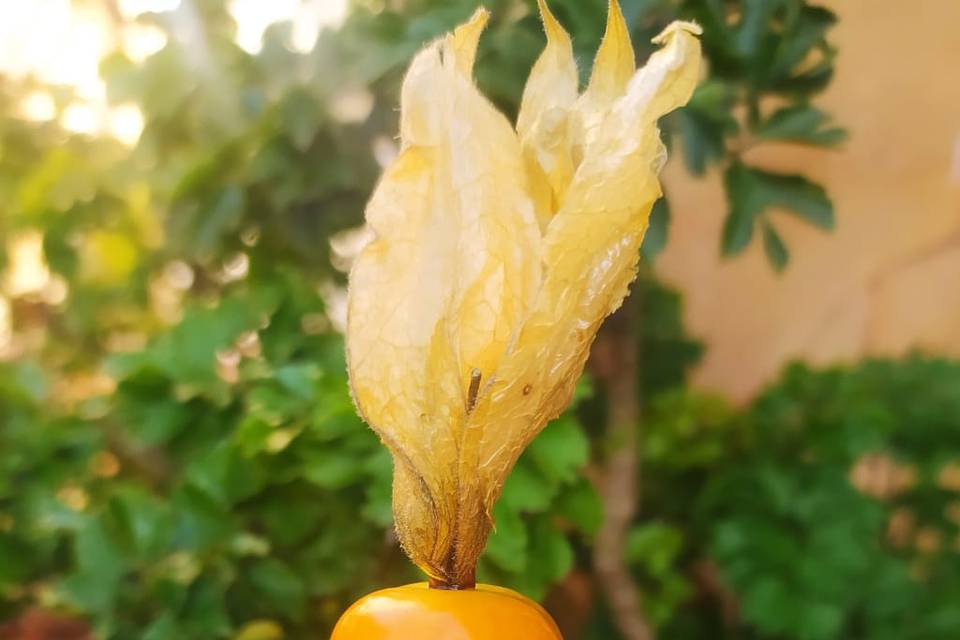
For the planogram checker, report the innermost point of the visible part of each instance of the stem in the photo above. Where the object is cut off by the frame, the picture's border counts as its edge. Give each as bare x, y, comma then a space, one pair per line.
618, 346
464, 585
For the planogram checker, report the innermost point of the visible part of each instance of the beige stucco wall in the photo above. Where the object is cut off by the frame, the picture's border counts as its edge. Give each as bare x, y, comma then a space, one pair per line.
888, 279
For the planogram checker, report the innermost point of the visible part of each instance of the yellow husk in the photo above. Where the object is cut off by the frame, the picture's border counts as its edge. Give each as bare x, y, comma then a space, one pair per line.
497, 255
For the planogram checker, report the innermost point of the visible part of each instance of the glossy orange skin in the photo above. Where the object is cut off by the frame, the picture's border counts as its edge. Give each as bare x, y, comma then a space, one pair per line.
417, 612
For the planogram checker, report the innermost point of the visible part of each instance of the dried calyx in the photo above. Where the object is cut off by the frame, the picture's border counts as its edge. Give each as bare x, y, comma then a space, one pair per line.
497, 254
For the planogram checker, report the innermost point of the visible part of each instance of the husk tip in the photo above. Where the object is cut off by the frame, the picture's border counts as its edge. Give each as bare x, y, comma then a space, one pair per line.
678, 26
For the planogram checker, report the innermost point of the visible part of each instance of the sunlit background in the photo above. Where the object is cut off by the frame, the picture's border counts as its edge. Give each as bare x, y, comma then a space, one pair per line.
60, 43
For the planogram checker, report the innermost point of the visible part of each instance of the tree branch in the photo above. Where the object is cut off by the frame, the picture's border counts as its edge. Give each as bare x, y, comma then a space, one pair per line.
615, 362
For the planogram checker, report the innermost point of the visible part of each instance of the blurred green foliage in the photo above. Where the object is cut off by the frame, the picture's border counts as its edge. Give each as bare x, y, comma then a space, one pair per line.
829, 509
179, 456
842, 517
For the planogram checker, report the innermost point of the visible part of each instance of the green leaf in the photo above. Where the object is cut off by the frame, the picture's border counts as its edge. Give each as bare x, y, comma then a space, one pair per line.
802, 36
331, 468
582, 507
654, 546
15, 562
100, 565
205, 611
744, 208
705, 123
582, 391
300, 379
753, 22
378, 504
702, 141
274, 404
145, 519
225, 475
253, 435
187, 353
31, 382
289, 519
219, 216
550, 553
161, 85
154, 421
560, 451
773, 246
752, 192
801, 123
378, 492
655, 239
798, 195
260, 630
301, 116
281, 588
769, 604
163, 628
821, 621
527, 490
507, 546
201, 520
96, 550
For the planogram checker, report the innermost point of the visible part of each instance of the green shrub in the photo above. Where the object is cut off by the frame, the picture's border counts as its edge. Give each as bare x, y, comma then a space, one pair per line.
828, 509
844, 519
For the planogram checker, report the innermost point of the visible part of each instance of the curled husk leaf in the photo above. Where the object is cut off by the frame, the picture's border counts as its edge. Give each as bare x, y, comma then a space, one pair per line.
497, 253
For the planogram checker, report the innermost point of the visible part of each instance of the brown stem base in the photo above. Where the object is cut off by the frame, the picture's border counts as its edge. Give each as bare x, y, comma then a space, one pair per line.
465, 585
